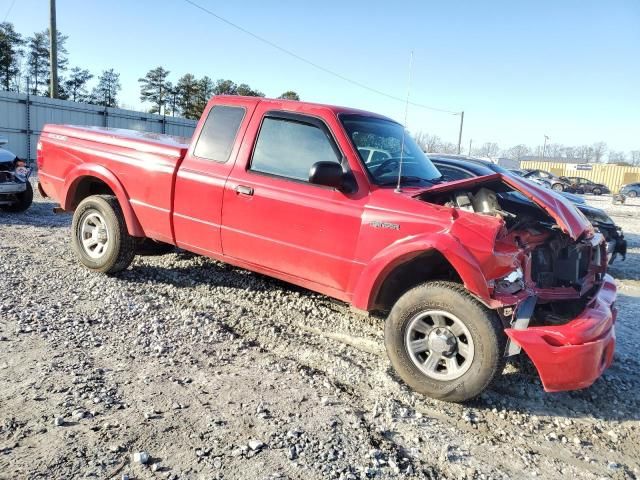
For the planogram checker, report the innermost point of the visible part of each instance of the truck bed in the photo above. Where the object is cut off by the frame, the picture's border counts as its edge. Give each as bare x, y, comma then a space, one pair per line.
148, 142
142, 163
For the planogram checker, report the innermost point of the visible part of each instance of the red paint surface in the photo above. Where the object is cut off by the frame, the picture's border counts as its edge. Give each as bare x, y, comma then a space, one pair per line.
312, 236
574, 355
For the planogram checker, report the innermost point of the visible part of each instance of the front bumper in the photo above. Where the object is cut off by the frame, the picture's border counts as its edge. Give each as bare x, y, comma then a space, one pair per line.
7, 188
573, 355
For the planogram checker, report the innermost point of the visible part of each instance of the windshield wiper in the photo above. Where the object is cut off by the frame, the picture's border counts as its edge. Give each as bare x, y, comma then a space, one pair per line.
408, 179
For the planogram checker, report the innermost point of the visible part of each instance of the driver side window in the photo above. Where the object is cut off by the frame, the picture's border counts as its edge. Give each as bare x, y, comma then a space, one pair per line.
289, 148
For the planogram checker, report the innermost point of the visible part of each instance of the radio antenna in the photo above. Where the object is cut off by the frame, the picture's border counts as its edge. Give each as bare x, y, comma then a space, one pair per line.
404, 126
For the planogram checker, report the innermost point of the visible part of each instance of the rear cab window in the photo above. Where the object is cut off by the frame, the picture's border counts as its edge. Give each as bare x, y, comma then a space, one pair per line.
219, 133
288, 147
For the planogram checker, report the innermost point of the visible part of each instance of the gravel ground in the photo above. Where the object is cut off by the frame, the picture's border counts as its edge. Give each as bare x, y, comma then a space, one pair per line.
182, 367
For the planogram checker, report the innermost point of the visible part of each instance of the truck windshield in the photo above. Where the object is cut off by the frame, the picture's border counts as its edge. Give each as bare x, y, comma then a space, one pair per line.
379, 144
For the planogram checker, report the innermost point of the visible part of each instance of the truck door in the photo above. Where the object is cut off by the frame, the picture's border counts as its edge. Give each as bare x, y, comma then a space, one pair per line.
275, 219
200, 180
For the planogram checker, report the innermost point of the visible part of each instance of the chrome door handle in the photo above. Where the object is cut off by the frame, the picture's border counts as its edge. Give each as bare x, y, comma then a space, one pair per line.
244, 190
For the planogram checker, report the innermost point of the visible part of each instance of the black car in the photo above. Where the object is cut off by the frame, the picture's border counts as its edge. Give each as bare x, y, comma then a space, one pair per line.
584, 185
458, 167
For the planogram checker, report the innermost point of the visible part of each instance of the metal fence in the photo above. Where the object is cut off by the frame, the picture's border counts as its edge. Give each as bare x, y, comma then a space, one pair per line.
23, 116
613, 176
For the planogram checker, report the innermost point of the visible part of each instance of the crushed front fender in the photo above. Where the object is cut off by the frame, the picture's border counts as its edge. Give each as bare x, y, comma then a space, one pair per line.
574, 355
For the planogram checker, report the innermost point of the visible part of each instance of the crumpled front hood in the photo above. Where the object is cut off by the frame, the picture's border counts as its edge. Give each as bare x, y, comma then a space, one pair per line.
567, 216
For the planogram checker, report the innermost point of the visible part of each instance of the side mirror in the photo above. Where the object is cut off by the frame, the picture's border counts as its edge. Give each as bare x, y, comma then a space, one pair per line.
330, 174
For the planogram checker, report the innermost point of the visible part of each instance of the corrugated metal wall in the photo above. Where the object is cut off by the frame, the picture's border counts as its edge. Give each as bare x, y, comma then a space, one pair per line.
612, 176
22, 118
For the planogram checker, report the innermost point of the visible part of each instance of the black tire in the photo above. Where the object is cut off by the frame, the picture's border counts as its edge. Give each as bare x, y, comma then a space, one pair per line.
557, 187
632, 194
121, 247
150, 247
597, 191
487, 333
24, 201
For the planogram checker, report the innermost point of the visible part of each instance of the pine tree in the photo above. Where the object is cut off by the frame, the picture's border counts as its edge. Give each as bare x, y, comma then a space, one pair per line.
38, 60
289, 95
225, 87
205, 92
75, 87
154, 88
247, 91
106, 92
188, 89
11, 43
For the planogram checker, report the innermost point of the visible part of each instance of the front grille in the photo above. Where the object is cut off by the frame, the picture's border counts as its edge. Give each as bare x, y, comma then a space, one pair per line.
564, 267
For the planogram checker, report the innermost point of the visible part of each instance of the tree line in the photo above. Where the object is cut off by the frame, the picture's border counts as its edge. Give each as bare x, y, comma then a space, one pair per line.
189, 95
598, 152
25, 67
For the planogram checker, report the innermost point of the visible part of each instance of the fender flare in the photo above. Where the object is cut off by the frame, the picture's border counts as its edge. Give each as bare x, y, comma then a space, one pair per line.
75, 176
370, 280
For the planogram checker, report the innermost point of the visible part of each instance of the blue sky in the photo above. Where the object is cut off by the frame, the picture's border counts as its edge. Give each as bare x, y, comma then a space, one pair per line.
519, 69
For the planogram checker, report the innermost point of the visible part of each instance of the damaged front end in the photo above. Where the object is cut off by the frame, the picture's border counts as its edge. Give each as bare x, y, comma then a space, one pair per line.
14, 177
546, 276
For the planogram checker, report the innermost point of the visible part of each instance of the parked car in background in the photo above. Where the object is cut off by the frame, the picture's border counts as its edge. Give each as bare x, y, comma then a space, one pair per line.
584, 185
458, 167
16, 193
553, 181
570, 196
630, 190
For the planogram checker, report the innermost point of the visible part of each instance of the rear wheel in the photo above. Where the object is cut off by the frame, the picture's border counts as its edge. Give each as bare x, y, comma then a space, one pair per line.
443, 343
557, 187
22, 203
100, 237
632, 194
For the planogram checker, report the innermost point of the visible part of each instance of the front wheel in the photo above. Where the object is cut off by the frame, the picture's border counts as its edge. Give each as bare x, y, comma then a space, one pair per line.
558, 187
597, 191
100, 237
443, 343
632, 194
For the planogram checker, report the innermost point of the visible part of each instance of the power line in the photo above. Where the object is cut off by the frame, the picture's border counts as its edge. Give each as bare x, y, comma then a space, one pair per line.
9, 11
313, 64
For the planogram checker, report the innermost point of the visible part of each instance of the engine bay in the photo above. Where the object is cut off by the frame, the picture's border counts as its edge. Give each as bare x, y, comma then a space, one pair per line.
552, 257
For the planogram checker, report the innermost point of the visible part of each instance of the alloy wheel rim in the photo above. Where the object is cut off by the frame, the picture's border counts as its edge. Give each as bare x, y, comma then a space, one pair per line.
94, 235
439, 344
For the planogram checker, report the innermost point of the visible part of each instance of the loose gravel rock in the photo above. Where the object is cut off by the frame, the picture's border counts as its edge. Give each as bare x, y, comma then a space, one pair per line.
222, 373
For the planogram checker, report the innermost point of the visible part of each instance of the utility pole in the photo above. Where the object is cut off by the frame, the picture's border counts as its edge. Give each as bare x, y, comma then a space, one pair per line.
460, 133
53, 50
544, 147
470, 142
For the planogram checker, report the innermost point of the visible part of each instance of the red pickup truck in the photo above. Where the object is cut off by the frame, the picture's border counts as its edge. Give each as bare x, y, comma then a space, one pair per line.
467, 274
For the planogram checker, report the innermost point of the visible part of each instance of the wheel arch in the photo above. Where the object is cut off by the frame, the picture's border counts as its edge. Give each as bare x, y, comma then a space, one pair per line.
86, 180
402, 267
